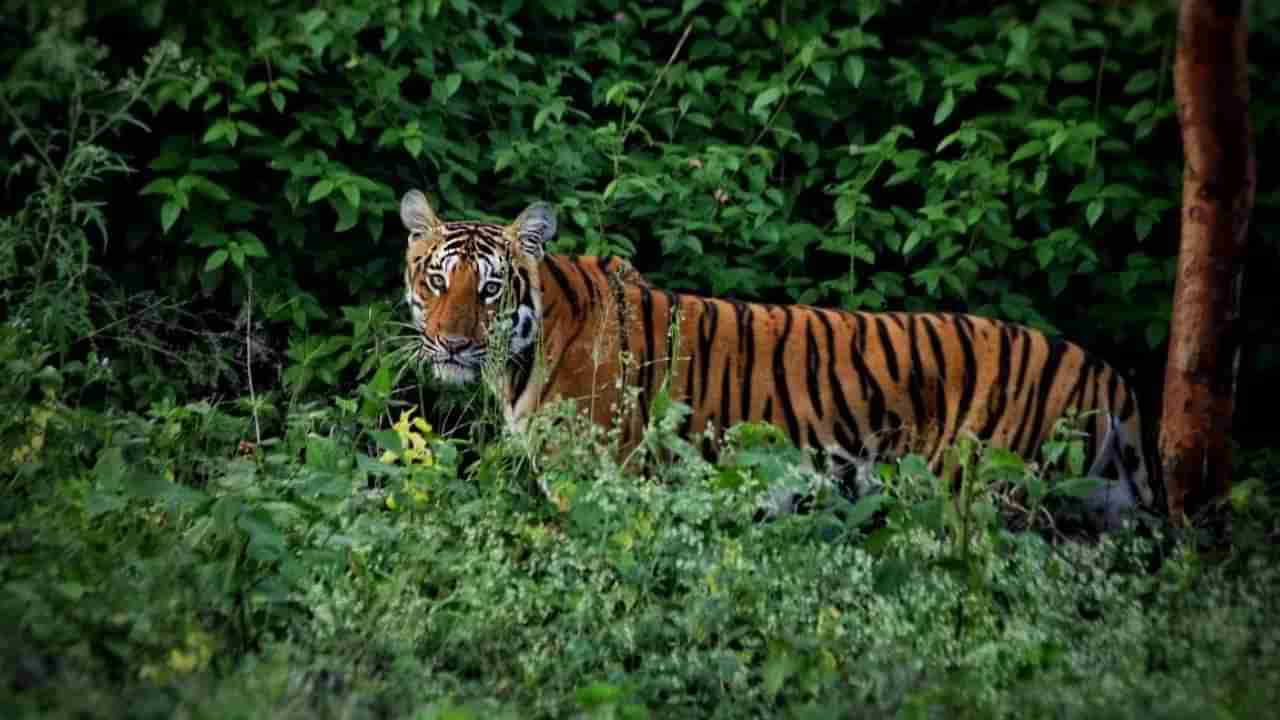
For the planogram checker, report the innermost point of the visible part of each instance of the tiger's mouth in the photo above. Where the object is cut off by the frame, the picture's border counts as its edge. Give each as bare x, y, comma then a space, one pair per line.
454, 364
455, 372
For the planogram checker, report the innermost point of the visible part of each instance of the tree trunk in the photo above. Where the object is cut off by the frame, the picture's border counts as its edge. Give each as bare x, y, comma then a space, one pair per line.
1212, 90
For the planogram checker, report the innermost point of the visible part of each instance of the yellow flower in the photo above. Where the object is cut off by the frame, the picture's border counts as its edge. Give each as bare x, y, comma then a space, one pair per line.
415, 434
36, 428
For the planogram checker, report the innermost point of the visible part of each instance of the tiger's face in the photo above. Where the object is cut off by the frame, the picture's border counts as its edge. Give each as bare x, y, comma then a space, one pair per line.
463, 280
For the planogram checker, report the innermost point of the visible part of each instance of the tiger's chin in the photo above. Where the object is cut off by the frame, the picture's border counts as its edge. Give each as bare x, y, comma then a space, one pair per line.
454, 373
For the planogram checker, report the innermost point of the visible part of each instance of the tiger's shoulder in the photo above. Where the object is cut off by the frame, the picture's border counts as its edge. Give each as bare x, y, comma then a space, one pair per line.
611, 269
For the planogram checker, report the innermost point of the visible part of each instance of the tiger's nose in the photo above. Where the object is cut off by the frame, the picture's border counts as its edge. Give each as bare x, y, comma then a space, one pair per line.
454, 343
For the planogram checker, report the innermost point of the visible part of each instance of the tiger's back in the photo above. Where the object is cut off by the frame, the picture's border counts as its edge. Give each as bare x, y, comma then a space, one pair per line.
847, 384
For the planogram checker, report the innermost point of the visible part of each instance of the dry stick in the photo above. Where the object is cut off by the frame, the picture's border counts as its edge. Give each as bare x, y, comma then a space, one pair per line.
656, 82
248, 359
1097, 103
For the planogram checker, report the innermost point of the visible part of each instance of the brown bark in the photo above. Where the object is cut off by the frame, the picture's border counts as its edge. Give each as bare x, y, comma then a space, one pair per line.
1212, 91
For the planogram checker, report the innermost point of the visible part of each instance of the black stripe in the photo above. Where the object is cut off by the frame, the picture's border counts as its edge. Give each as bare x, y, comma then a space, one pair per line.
894, 432
725, 394
915, 375
747, 352
872, 393
886, 345
646, 354
780, 376
768, 409
815, 444
849, 444
1074, 398
522, 371
1023, 413
1130, 403
940, 387
1088, 398
553, 266
689, 364
813, 365
1048, 378
710, 314
1113, 383
1027, 338
837, 387
969, 364
1000, 386
593, 292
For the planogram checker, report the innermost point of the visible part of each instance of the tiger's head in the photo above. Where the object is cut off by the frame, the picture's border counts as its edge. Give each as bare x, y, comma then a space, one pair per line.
463, 277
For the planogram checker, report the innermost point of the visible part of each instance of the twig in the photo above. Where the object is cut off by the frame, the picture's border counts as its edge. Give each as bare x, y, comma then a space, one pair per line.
657, 81
26, 132
248, 359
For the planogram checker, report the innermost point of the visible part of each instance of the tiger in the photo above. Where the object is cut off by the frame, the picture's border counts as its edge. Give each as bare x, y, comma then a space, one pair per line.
844, 385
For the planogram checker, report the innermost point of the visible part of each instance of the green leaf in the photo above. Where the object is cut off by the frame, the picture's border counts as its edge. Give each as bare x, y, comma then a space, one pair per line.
221, 130
1094, 211
161, 186
1141, 82
109, 470
846, 208
890, 575
452, 82
766, 98
1076, 487
865, 508
1156, 332
855, 68
320, 190
1142, 225
1019, 37
945, 108
388, 439
217, 259
1076, 72
1009, 91
169, 214
1028, 149
1083, 191
250, 244
348, 216
413, 145
352, 193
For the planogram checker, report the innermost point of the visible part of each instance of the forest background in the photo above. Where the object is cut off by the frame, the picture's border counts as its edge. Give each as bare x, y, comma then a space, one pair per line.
200, 268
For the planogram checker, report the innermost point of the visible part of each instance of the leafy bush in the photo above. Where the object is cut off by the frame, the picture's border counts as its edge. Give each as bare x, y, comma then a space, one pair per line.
1010, 162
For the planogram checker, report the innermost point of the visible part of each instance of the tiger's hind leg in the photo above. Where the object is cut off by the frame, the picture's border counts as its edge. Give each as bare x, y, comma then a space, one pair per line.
852, 477
1119, 465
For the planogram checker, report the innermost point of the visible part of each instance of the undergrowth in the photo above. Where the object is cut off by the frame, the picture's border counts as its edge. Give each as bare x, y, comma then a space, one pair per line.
157, 563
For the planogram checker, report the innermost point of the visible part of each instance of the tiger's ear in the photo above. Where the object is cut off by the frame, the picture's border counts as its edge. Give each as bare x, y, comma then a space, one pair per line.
534, 228
416, 213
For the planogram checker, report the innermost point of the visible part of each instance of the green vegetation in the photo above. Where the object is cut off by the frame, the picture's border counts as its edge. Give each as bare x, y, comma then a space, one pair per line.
222, 491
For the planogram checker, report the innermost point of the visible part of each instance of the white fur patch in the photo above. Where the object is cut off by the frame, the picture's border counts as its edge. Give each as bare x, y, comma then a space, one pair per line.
525, 330
453, 373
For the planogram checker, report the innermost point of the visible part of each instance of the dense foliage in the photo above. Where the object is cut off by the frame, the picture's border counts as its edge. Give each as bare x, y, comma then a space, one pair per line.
215, 494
